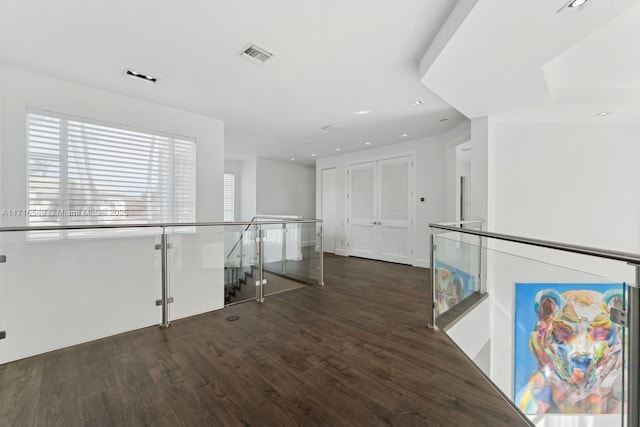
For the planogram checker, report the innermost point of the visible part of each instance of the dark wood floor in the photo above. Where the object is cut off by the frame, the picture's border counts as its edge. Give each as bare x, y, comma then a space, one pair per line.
353, 353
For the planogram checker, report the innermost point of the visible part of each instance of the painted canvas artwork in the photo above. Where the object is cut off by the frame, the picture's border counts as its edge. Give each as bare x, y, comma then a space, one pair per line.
452, 286
568, 353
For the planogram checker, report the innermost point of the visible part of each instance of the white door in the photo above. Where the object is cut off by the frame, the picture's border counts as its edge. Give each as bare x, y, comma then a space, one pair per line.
379, 210
362, 217
394, 219
328, 204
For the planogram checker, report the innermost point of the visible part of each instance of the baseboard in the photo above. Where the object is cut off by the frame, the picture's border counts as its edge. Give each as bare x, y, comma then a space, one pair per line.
341, 252
424, 263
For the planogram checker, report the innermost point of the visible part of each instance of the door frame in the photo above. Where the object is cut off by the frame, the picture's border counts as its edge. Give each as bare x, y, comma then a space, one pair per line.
322, 203
412, 192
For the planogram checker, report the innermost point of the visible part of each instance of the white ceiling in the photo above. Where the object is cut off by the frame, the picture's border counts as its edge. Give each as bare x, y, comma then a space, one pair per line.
522, 61
333, 58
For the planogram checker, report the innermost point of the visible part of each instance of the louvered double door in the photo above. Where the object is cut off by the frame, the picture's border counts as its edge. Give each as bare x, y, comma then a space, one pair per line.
379, 216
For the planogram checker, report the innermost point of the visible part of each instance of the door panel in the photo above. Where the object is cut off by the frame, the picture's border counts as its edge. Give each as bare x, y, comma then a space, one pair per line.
379, 216
394, 190
363, 240
394, 210
329, 209
394, 244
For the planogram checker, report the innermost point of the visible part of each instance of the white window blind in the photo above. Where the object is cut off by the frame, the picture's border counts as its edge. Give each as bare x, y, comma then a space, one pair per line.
85, 172
229, 198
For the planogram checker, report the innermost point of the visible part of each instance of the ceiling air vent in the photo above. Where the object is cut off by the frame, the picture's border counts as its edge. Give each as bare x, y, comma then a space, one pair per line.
136, 75
333, 127
255, 53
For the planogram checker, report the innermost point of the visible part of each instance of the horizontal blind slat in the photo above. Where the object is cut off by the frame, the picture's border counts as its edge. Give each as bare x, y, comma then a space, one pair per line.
108, 166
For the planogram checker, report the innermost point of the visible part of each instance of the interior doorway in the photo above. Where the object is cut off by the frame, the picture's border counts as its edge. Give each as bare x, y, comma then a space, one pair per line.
463, 172
328, 209
380, 212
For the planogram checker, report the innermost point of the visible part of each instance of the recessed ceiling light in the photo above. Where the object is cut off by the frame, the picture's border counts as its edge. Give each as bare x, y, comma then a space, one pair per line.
603, 113
332, 127
337, 149
576, 3
367, 143
313, 155
362, 112
140, 76
417, 102
404, 135
292, 159
573, 5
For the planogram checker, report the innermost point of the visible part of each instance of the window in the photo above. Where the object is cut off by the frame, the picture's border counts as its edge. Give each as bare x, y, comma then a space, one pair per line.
229, 196
82, 172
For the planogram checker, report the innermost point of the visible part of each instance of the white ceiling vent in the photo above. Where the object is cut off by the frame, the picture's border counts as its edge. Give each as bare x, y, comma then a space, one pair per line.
333, 127
255, 53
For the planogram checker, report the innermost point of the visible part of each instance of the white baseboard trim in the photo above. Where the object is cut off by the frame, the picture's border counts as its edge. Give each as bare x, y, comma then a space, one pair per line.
424, 263
341, 252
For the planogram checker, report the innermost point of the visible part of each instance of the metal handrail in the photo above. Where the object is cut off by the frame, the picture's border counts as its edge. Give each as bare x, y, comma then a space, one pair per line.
465, 222
254, 222
628, 257
154, 225
632, 299
239, 239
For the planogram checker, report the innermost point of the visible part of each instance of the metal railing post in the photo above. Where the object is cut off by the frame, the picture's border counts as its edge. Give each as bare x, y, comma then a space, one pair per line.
260, 250
481, 282
321, 237
241, 250
432, 324
165, 323
633, 351
284, 248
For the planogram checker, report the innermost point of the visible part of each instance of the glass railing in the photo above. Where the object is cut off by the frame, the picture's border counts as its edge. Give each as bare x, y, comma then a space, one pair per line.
458, 283
241, 264
292, 253
58, 293
554, 329
104, 280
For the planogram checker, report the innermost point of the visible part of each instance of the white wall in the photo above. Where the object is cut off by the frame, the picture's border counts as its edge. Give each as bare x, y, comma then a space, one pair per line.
468, 336
285, 188
568, 182
60, 293
431, 183
575, 183
248, 189
462, 169
234, 167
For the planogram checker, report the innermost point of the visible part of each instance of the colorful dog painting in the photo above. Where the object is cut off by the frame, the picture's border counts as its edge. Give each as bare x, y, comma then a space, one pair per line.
568, 354
452, 286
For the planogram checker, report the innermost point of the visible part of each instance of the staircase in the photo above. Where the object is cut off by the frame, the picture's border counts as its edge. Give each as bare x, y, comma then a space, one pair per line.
239, 283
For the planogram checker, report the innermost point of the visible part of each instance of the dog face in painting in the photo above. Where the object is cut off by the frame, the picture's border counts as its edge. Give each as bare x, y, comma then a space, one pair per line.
579, 354
449, 289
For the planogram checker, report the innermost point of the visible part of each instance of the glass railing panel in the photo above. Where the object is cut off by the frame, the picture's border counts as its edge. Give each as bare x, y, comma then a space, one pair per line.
200, 268
545, 337
58, 292
303, 252
274, 246
457, 271
279, 244
241, 264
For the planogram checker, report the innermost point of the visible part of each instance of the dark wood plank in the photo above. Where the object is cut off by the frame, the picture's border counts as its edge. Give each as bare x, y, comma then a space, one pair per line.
356, 352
